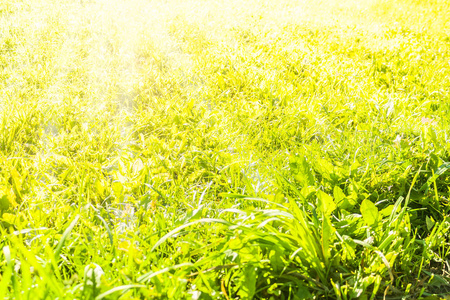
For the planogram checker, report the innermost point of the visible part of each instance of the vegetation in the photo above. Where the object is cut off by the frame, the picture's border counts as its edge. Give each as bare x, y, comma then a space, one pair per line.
224, 149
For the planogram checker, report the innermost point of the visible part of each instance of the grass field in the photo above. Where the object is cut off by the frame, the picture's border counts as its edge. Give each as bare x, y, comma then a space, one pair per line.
256, 149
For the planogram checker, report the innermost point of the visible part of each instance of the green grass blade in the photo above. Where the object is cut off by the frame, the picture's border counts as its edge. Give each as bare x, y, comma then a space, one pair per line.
119, 288
65, 236
178, 229
150, 275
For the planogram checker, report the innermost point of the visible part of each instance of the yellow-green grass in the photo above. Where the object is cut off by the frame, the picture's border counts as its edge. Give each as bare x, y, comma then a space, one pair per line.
224, 149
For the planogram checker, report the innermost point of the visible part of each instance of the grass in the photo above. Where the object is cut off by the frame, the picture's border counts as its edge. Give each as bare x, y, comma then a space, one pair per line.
224, 150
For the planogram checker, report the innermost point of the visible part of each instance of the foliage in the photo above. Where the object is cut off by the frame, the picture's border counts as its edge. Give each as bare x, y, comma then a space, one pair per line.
224, 150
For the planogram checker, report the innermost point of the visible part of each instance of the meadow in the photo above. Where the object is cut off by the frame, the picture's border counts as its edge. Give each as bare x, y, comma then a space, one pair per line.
255, 149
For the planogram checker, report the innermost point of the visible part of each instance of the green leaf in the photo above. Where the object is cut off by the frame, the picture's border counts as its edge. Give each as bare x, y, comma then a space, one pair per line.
301, 170
117, 188
326, 203
327, 237
338, 194
369, 212
247, 290
349, 247
430, 222
4, 202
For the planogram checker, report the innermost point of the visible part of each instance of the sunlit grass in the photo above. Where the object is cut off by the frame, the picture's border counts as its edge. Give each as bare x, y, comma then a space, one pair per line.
224, 149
